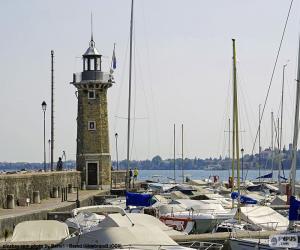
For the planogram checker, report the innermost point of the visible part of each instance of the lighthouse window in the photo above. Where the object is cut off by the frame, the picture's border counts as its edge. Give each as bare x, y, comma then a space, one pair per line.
91, 125
91, 94
92, 64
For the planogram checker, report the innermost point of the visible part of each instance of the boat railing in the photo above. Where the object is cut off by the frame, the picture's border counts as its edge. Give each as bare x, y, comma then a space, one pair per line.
194, 244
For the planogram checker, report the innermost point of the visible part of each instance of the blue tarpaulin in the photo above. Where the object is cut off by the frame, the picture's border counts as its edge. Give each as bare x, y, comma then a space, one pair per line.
294, 207
243, 199
136, 199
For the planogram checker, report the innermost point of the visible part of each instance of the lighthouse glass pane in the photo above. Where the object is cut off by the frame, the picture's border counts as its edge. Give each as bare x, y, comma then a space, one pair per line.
98, 63
92, 63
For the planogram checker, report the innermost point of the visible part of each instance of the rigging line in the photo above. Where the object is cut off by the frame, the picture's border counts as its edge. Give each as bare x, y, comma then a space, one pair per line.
117, 107
143, 88
226, 111
149, 68
244, 100
133, 118
272, 76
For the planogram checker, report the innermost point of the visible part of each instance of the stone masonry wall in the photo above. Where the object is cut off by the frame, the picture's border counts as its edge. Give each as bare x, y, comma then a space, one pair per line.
23, 185
93, 144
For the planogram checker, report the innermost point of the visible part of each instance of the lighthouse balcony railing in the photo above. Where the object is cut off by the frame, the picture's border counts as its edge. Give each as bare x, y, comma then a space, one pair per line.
92, 76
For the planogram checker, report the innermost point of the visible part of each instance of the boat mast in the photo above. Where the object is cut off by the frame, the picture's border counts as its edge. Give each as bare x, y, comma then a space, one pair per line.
236, 126
182, 153
233, 124
272, 141
259, 147
295, 138
281, 119
174, 154
129, 92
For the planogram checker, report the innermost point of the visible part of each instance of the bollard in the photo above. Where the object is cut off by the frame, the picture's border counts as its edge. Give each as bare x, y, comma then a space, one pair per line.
10, 201
83, 185
70, 189
66, 193
55, 192
62, 194
36, 197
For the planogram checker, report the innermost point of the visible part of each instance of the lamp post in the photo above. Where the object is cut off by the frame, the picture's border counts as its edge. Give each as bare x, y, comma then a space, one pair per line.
116, 136
64, 156
242, 150
49, 144
44, 106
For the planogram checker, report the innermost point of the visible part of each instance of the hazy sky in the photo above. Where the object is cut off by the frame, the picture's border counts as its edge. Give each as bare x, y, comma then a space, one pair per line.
182, 72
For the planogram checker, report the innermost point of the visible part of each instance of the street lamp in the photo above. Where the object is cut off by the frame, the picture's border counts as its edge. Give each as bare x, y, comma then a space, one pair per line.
116, 136
242, 150
44, 106
64, 156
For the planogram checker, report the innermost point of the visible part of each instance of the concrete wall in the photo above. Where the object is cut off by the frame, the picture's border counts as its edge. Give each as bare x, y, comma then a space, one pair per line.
23, 185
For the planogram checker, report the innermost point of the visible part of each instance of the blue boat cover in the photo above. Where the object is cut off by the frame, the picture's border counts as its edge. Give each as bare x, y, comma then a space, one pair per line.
243, 199
136, 199
267, 176
294, 207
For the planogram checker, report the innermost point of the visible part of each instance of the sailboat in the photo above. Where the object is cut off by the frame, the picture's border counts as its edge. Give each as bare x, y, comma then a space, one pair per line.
290, 238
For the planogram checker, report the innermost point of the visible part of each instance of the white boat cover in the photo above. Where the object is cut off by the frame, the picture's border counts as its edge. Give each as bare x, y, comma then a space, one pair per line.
111, 237
99, 209
84, 220
265, 217
117, 220
169, 208
279, 200
197, 182
178, 195
197, 205
40, 230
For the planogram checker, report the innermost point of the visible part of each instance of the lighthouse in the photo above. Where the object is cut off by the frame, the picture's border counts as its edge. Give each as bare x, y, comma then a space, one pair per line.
93, 158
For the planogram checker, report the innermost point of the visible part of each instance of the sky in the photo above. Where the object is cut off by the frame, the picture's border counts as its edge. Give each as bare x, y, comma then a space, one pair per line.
182, 73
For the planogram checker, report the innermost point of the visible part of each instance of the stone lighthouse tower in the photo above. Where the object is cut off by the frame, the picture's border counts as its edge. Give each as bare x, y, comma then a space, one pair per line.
93, 156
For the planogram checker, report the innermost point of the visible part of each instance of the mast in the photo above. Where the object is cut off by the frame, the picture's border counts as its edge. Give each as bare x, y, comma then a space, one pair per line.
278, 153
295, 138
174, 155
281, 115
236, 125
229, 138
129, 92
233, 121
182, 153
52, 107
272, 141
259, 147
280, 132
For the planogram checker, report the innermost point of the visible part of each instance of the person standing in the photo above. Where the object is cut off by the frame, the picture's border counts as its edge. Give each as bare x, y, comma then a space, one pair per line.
59, 165
130, 177
135, 173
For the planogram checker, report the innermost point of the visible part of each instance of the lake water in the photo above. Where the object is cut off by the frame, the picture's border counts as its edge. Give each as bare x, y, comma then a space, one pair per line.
202, 174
